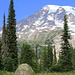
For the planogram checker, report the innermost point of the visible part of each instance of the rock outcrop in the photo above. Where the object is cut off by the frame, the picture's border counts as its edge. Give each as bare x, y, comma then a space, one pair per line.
24, 69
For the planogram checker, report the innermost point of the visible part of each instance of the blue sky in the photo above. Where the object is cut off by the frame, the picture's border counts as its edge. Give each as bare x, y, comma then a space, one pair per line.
25, 8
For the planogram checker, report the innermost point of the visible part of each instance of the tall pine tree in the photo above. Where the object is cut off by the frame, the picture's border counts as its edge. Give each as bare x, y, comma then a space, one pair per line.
11, 35
44, 60
54, 57
37, 53
65, 57
49, 57
27, 56
0, 57
73, 58
4, 50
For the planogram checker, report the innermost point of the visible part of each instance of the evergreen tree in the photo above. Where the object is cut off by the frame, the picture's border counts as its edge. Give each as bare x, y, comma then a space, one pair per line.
49, 57
37, 68
65, 58
0, 46
0, 57
4, 50
36, 53
40, 65
11, 36
54, 57
45, 60
73, 58
27, 56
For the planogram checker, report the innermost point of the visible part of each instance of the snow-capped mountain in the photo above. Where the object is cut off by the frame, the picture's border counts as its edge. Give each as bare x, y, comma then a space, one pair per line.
45, 21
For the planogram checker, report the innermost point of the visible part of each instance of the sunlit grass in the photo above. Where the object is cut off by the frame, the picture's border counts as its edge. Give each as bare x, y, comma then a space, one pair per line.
56, 73
6, 73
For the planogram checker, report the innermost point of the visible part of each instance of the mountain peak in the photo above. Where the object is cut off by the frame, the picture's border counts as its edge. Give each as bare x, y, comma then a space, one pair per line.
53, 8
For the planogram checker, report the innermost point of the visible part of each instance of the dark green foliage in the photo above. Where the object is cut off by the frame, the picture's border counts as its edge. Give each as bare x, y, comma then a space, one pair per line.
55, 68
65, 57
8, 64
0, 46
49, 57
0, 57
4, 50
54, 57
36, 47
37, 53
27, 56
73, 57
45, 60
40, 66
11, 35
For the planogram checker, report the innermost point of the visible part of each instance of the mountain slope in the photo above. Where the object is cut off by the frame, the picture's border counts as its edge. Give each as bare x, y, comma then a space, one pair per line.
45, 21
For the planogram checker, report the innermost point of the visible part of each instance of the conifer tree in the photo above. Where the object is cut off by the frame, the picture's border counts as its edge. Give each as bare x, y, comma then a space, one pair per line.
0, 57
54, 57
45, 60
27, 55
73, 57
0, 46
4, 50
37, 68
49, 57
40, 65
36, 53
11, 35
65, 57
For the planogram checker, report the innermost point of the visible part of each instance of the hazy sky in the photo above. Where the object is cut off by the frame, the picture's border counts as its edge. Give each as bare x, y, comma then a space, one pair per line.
25, 8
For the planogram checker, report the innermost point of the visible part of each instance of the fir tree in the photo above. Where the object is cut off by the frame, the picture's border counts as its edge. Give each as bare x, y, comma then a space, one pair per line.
65, 58
49, 57
45, 60
11, 35
40, 65
0, 57
4, 50
27, 56
0, 46
36, 53
54, 57
36, 58
73, 58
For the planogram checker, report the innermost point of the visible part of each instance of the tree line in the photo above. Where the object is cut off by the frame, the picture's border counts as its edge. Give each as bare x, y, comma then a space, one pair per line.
48, 61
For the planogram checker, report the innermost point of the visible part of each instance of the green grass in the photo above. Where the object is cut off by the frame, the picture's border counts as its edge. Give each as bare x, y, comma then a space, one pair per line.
56, 73
6, 73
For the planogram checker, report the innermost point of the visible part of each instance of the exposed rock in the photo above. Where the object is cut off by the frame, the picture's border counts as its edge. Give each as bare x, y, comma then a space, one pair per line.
24, 69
